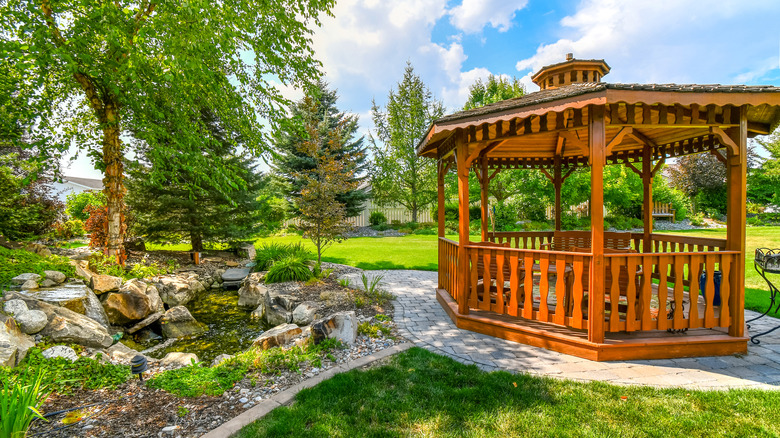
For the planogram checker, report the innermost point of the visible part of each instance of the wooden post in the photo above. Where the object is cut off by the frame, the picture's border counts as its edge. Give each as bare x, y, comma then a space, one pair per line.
462, 155
736, 172
441, 168
647, 199
484, 197
557, 182
597, 146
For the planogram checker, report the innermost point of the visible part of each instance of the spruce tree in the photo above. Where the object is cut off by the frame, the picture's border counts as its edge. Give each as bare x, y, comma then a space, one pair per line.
170, 202
290, 162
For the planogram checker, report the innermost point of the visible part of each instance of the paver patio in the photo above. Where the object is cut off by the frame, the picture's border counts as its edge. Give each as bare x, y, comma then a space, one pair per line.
423, 321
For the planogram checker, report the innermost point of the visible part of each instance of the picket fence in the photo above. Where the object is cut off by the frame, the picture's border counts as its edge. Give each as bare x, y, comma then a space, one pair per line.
393, 213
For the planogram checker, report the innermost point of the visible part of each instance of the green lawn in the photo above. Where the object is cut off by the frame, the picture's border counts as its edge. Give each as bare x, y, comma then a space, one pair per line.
418, 393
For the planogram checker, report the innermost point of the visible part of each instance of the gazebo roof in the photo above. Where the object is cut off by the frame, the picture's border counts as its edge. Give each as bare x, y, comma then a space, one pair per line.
695, 105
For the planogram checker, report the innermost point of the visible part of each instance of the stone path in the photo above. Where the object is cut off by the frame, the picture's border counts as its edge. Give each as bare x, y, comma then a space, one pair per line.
421, 319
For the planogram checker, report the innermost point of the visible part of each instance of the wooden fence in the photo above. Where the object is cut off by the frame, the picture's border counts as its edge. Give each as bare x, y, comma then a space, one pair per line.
392, 213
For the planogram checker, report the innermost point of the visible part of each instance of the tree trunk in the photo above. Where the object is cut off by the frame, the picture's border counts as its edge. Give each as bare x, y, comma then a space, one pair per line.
197, 241
114, 187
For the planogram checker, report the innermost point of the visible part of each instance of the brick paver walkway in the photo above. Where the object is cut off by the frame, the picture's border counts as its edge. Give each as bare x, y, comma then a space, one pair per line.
422, 320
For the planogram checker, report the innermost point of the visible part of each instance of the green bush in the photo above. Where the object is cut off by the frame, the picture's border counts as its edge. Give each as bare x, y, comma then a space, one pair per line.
269, 253
697, 220
197, 380
290, 268
382, 227
77, 202
69, 229
26, 210
377, 218
16, 261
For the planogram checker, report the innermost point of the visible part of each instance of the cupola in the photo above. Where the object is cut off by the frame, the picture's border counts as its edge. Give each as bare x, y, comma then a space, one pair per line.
571, 71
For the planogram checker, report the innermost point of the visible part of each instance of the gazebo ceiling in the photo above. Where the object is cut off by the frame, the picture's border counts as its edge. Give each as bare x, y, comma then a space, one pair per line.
674, 119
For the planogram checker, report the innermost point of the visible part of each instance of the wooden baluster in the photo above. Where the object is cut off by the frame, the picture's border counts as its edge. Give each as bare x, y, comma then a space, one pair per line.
646, 295
486, 280
560, 291
725, 290
528, 304
709, 292
514, 283
679, 268
475, 274
544, 287
577, 292
631, 294
694, 271
499, 307
663, 292
613, 267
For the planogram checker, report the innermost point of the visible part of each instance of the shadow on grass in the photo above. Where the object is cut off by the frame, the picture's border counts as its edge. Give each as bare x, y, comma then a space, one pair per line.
377, 265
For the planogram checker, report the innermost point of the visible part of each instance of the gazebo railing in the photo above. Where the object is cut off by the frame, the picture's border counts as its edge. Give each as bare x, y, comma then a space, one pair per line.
522, 239
675, 243
448, 266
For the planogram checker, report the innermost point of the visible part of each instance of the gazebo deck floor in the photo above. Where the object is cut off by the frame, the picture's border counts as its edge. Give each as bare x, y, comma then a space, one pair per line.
653, 344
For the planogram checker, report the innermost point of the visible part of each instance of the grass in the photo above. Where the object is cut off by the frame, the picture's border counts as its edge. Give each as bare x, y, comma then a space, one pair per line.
418, 393
16, 261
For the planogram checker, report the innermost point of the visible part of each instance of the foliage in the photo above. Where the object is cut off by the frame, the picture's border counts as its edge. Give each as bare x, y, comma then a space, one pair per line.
317, 273
764, 181
322, 215
495, 89
97, 225
372, 330
372, 292
93, 72
290, 162
16, 261
289, 268
172, 202
23, 211
765, 219
269, 253
61, 375
19, 402
69, 229
701, 177
697, 219
398, 175
620, 222
370, 284
77, 203
377, 218
102, 264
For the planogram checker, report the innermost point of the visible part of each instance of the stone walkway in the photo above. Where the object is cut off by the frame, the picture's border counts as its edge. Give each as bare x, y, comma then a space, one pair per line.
421, 319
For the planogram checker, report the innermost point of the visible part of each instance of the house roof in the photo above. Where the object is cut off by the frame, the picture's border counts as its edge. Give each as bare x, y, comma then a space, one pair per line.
91, 183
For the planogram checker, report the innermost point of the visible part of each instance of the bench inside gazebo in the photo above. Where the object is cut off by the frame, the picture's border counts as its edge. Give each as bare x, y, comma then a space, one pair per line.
597, 294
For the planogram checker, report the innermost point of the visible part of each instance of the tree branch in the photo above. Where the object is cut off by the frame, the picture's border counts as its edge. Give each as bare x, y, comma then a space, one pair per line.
57, 38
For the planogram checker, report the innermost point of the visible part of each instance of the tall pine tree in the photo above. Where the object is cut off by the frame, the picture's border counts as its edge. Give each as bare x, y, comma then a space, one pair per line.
290, 162
170, 202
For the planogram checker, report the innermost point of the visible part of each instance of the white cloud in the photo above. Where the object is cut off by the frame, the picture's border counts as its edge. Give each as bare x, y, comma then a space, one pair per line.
679, 41
473, 15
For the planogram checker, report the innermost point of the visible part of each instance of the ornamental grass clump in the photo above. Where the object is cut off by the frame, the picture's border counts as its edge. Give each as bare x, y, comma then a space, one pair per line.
19, 401
272, 252
290, 268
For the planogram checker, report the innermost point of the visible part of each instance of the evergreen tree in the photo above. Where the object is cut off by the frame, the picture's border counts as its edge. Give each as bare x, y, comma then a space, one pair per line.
290, 162
169, 202
399, 175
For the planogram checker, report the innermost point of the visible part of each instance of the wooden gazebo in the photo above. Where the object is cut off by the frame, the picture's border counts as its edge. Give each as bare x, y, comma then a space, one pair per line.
600, 295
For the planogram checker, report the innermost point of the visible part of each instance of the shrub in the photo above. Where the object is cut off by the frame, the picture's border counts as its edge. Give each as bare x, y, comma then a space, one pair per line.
382, 227
77, 203
475, 212
697, 220
196, 380
269, 253
16, 261
377, 218
69, 229
289, 268
97, 226
372, 330
19, 401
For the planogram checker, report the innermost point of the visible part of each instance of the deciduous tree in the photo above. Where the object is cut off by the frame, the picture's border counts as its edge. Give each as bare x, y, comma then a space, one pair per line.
494, 89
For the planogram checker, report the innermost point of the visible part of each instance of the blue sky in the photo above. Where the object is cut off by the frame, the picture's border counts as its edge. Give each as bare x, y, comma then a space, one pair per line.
365, 46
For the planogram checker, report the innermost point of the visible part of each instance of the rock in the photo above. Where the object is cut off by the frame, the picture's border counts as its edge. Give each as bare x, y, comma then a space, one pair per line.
234, 277
285, 299
176, 291
178, 360
276, 315
60, 351
155, 302
335, 298
247, 251
23, 278
31, 321
48, 283
147, 335
55, 276
305, 313
124, 308
134, 285
67, 326
13, 343
30, 285
39, 249
278, 335
94, 309
82, 270
70, 296
305, 337
257, 277
251, 294
221, 358
14, 307
105, 283
259, 312
121, 353
231, 264
341, 326
148, 320
218, 274
178, 323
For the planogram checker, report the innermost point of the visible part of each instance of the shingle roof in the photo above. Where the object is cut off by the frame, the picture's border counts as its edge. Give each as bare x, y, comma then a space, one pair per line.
87, 182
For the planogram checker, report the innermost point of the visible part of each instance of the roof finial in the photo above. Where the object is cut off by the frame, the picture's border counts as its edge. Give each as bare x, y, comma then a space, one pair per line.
569, 56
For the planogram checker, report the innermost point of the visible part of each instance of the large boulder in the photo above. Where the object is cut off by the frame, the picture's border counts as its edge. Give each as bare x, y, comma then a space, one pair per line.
155, 301
234, 277
67, 326
177, 290
23, 278
342, 326
121, 353
178, 360
39, 249
82, 270
251, 294
31, 321
60, 351
101, 283
276, 315
124, 308
278, 335
146, 322
15, 307
259, 312
13, 343
305, 313
178, 323
30, 285
55, 276
94, 309
73, 296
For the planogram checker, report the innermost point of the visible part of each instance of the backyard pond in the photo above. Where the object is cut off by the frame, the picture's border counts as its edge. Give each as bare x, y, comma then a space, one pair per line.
231, 329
